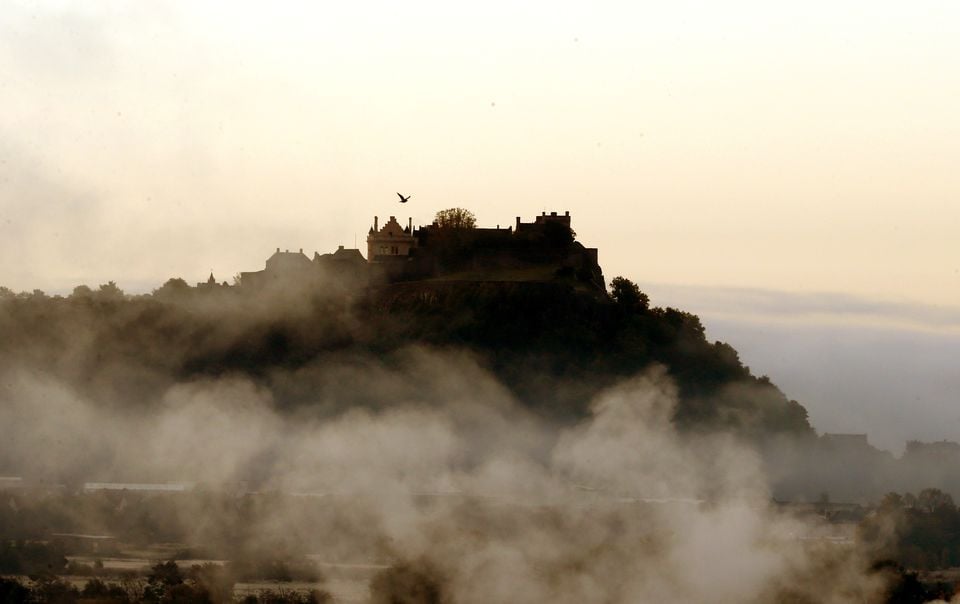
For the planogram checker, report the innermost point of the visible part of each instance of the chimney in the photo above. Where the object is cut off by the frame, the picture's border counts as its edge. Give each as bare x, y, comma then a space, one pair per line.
339, 248
301, 250
375, 221
278, 250
518, 223
567, 213
410, 224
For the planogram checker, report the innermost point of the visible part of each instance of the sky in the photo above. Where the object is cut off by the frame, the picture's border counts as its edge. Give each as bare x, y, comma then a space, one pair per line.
857, 365
729, 157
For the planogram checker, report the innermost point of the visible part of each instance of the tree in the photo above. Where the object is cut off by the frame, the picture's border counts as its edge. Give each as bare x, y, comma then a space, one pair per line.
81, 291
890, 502
37, 294
166, 573
932, 500
50, 588
214, 579
455, 218
6, 292
626, 293
110, 291
418, 583
11, 590
173, 288
909, 500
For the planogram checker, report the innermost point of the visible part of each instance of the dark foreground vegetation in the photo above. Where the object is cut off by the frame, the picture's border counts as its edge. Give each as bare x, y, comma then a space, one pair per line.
920, 531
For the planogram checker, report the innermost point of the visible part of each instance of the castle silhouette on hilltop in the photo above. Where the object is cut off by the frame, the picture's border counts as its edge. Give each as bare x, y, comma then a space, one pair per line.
544, 249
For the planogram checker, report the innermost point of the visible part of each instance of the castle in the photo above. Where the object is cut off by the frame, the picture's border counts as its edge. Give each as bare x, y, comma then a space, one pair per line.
544, 249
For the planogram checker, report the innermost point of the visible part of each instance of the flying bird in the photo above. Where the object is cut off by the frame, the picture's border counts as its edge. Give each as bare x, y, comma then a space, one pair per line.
404, 199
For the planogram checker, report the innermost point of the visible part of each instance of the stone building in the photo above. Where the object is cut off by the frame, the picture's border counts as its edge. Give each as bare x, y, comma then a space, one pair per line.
286, 268
211, 284
544, 249
939, 452
346, 264
541, 221
390, 241
281, 267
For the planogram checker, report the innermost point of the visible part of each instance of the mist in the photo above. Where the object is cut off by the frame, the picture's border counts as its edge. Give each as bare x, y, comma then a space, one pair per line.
341, 423
423, 458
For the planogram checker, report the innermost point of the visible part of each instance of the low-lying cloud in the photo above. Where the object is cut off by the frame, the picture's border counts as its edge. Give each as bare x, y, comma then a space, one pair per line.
455, 476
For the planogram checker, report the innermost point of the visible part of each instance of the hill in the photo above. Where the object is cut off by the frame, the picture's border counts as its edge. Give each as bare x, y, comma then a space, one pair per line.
553, 343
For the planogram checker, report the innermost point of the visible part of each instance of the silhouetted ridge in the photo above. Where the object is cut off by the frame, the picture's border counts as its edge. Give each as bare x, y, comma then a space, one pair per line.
528, 300
553, 343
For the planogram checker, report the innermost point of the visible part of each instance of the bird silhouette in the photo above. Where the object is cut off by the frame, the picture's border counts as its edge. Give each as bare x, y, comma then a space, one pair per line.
404, 199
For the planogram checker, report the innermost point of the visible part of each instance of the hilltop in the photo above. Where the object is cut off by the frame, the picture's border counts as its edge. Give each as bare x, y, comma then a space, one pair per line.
528, 303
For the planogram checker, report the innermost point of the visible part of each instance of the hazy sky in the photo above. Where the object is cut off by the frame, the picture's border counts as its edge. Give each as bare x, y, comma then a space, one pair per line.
794, 147
857, 365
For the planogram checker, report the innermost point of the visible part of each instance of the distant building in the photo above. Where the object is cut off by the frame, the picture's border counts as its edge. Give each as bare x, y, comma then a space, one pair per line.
390, 241
342, 259
287, 262
542, 220
546, 244
283, 268
280, 267
211, 284
846, 442
540, 250
943, 451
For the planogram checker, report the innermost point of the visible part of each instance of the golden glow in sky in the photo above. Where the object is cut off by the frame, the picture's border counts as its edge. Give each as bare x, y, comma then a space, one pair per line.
791, 146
